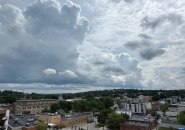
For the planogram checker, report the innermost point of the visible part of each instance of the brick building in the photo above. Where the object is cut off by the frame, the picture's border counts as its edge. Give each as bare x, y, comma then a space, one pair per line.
75, 119
69, 120
33, 106
50, 118
139, 123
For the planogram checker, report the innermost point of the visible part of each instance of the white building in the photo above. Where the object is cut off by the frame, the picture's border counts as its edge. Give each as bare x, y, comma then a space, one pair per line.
121, 111
137, 106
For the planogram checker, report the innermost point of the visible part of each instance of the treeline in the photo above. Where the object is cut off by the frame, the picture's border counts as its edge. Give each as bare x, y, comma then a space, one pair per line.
9, 96
133, 93
83, 105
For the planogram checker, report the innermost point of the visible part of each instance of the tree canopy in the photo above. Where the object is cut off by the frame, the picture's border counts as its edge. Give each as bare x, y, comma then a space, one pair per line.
114, 120
181, 117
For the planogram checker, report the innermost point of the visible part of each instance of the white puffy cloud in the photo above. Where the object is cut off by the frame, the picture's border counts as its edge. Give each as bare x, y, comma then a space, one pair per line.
68, 74
49, 71
45, 34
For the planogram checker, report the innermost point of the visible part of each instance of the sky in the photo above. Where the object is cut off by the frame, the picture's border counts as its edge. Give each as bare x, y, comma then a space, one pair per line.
61, 46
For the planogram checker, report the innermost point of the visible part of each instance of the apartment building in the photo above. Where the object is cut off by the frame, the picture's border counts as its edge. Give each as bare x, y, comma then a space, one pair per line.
33, 106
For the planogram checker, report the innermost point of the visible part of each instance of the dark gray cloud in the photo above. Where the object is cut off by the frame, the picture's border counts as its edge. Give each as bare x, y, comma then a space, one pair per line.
133, 44
113, 70
150, 53
144, 36
149, 22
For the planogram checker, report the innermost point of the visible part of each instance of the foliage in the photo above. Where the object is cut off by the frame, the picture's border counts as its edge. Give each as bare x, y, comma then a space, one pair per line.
125, 116
66, 106
114, 120
108, 102
45, 110
155, 114
9, 96
102, 119
164, 108
42, 126
181, 117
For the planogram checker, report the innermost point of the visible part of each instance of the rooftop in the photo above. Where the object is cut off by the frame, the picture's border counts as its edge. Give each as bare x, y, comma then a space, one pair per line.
23, 120
142, 118
70, 116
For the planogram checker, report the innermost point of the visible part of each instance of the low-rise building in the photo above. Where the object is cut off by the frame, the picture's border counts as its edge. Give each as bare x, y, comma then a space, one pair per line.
50, 118
139, 123
22, 122
33, 106
68, 120
75, 119
122, 111
136, 106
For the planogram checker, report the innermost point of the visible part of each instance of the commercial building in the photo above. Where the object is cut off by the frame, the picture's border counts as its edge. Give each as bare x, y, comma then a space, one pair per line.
68, 120
137, 106
139, 123
33, 106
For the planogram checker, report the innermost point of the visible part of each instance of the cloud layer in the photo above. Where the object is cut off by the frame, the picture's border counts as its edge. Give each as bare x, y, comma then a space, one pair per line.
101, 43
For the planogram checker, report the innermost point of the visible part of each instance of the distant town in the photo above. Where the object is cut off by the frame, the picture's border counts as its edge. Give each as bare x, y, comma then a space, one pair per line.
117, 109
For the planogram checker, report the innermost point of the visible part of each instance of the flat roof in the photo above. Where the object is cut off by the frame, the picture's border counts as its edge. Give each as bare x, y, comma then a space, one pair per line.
22, 120
142, 118
68, 117
144, 124
168, 125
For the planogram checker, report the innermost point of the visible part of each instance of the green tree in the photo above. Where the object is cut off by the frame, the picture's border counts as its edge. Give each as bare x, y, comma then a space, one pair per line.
164, 108
181, 117
108, 102
54, 107
42, 126
102, 119
114, 120
125, 116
